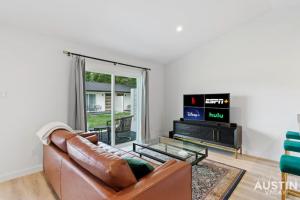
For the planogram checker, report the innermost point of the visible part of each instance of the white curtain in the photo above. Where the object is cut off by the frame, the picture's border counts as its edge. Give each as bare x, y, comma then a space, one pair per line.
77, 114
145, 132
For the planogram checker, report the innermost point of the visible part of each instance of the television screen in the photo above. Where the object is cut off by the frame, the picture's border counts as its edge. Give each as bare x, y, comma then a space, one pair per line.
208, 107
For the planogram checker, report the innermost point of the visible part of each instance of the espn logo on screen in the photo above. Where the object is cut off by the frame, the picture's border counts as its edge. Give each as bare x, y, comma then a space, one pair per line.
216, 101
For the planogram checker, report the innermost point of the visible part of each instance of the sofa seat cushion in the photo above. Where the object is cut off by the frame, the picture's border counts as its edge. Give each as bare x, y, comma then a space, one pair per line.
140, 168
59, 138
109, 168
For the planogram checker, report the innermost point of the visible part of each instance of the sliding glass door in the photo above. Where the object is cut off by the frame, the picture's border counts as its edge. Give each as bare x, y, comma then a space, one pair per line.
125, 109
98, 103
113, 106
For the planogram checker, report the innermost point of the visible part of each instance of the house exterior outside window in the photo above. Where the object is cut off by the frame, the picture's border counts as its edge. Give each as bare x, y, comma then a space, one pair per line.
98, 97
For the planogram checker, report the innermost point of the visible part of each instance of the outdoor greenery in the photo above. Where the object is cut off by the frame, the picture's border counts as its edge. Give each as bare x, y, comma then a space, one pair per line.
106, 78
100, 119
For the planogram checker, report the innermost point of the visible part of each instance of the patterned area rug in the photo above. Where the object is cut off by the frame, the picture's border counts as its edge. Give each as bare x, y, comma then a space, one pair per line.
211, 180
214, 181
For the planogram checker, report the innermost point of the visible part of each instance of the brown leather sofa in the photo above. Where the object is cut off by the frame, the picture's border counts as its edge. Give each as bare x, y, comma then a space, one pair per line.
77, 169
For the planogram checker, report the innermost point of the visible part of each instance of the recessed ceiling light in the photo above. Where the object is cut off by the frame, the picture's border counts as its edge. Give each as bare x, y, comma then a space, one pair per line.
179, 28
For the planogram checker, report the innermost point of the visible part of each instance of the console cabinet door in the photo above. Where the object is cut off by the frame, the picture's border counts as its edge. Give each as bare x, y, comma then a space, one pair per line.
226, 136
196, 131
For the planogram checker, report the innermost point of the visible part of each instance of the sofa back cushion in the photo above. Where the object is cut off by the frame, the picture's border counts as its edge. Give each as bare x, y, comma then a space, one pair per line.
109, 168
59, 138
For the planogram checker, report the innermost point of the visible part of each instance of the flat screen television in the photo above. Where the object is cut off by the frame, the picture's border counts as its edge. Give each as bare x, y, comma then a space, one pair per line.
207, 107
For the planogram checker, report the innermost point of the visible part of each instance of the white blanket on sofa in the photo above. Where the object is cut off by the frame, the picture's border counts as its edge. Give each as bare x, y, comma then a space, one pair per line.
44, 132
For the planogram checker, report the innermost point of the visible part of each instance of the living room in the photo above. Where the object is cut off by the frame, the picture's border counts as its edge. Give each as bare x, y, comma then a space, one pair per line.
135, 78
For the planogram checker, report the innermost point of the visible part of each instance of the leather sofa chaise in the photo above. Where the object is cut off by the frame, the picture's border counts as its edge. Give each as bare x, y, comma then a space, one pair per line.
81, 168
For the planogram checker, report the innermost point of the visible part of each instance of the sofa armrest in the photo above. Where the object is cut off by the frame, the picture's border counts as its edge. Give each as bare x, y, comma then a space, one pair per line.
172, 180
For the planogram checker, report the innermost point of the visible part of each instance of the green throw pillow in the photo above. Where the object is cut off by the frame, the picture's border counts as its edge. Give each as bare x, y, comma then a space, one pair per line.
139, 168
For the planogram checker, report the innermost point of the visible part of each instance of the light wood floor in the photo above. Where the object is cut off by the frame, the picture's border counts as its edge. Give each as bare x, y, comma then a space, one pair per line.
34, 187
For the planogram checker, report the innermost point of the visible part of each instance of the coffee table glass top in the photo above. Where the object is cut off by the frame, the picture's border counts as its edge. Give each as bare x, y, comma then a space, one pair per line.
163, 149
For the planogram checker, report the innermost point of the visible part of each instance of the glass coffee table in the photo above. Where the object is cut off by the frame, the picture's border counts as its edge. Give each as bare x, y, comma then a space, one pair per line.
163, 149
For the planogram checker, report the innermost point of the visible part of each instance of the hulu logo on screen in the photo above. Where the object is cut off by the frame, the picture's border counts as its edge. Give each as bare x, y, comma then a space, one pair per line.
216, 115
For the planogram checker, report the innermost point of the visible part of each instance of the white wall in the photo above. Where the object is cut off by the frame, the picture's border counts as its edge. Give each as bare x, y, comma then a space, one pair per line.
119, 103
259, 64
100, 100
34, 85
127, 100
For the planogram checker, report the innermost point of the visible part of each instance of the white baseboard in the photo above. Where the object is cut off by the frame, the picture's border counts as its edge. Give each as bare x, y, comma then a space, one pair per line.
19, 173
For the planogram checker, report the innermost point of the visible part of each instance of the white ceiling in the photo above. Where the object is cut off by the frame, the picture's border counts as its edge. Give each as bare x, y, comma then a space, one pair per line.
145, 29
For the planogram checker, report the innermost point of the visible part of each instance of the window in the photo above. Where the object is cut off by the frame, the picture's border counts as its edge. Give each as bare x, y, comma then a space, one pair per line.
91, 102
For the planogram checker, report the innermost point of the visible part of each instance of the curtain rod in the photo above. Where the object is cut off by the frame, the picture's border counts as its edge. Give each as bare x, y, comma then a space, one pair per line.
104, 60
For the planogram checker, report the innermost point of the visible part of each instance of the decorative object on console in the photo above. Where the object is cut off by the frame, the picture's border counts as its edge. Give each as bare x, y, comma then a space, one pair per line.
171, 134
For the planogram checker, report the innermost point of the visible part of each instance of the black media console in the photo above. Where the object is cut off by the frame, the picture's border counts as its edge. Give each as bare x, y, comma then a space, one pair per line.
218, 135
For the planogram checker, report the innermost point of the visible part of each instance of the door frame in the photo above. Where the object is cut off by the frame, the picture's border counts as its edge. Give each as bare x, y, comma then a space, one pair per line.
114, 71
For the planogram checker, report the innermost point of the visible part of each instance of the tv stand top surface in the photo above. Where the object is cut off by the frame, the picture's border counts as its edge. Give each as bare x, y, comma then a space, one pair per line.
207, 123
